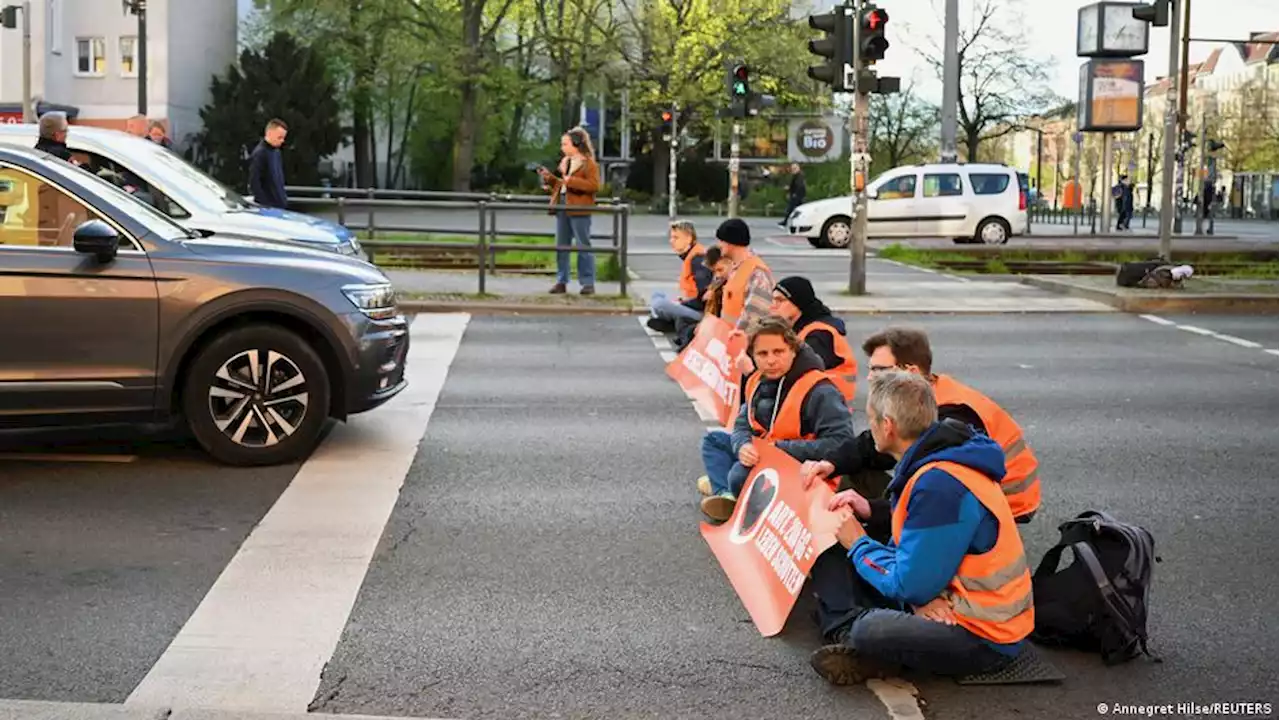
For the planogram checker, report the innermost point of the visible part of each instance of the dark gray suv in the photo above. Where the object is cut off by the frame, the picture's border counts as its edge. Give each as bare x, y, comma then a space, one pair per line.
111, 313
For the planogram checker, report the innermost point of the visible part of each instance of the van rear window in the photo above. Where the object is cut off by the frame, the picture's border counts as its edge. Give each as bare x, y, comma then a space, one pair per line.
988, 183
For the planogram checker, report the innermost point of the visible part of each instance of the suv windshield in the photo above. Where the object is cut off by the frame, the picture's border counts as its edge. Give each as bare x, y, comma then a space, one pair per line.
197, 186
102, 192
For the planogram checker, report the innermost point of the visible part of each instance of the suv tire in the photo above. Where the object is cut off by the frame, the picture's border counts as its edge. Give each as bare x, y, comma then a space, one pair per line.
265, 415
843, 228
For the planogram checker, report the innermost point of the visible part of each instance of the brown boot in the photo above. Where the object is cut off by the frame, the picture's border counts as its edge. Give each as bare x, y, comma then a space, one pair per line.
558, 289
588, 289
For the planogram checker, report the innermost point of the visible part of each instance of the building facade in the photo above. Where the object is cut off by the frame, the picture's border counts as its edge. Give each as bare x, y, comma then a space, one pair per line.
84, 60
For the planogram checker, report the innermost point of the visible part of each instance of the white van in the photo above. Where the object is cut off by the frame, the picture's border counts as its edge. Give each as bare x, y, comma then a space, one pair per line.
977, 202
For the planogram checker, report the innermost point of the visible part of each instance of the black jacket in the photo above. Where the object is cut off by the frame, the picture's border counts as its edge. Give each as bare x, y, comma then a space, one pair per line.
54, 148
860, 453
266, 176
797, 190
821, 341
823, 414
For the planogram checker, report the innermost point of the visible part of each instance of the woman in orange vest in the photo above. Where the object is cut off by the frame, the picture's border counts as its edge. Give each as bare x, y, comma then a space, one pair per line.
694, 279
795, 301
789, 403
950, 592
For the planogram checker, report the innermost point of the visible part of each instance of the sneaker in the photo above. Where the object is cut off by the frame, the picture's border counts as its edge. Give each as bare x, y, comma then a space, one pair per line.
588, 290
704, 485
661, 325
558, 289
719, 507
840, 665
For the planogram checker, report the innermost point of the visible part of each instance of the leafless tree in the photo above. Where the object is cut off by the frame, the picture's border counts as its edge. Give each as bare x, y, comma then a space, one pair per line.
901, 126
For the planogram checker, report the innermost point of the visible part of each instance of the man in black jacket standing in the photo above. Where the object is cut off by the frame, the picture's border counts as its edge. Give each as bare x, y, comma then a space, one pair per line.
796, 192
53, 135
266, 169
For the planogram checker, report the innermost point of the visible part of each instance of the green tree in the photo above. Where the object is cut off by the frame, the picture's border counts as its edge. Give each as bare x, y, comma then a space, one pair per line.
284, 80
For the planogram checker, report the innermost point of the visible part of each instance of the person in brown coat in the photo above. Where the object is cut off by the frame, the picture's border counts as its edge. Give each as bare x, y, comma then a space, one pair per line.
574, 185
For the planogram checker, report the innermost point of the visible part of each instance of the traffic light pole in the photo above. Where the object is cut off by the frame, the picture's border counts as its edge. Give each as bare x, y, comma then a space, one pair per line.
671, 169
858, 161
1170, 138
1201, 174
734, 167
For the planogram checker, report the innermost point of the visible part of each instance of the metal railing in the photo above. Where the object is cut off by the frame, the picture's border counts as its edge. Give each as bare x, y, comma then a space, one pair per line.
487, 206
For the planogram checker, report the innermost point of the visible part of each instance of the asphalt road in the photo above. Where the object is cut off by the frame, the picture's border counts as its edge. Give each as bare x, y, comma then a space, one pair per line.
543, 558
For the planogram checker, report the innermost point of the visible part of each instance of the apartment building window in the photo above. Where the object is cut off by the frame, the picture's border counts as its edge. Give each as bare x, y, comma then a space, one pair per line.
129, 56
91, 56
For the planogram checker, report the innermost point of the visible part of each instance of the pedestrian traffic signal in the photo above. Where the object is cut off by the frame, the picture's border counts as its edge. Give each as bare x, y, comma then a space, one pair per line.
740, 82
668, 122
836, 46
872, 43
1156, 13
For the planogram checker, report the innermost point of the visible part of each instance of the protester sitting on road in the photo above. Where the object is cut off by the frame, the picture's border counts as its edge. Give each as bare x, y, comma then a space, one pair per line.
901, 348
711, 297
694, 279
748, 290
950, 593
789, 403
795, 301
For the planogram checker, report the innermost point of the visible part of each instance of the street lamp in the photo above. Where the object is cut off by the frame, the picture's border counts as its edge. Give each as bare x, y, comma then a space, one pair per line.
139, 8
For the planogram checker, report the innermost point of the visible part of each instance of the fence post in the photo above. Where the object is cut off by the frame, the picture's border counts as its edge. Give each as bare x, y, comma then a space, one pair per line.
372, 221
615, 228
342, 211
622, 251
480, 247
493, 235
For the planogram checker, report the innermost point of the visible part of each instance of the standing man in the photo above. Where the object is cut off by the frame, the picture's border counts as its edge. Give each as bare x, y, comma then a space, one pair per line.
1123, 195
796, 192
950, 592
53, 135
266, 168
795, 301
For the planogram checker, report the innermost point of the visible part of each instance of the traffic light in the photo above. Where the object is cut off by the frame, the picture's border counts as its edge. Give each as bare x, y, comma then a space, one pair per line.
668, 122
1216, 145
1156, 13
739, 82
836, 46
9, 17
872, 43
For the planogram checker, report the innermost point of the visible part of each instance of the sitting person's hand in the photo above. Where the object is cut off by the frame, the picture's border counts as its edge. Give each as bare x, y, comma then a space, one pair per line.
813, 470
850, 532
745, 364
938, 610
852, 500
748, 455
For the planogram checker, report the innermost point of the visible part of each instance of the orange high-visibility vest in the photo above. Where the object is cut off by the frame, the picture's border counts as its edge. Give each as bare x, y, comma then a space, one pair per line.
735, 289
1021, 483
844, 375
786, 419
688, 283
991, 592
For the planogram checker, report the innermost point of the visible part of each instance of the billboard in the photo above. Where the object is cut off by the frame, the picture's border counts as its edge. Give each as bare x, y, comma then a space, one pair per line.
815, 139
1110, 96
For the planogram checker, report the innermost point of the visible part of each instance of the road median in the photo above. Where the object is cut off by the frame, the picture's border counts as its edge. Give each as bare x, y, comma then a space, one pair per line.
1198, 296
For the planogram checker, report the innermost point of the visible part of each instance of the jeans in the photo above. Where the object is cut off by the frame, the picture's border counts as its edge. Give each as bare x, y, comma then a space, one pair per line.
885, 635
792, 204
722, 466
568, 228
661, 307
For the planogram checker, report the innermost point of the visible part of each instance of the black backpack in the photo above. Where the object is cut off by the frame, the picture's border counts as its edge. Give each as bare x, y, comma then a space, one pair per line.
1098, 602
1130, 274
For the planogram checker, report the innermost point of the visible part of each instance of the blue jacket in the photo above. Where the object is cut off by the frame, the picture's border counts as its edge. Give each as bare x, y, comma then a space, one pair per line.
944, 520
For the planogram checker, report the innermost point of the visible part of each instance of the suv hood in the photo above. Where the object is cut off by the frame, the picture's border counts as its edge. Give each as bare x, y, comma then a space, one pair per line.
278, 225
262, 252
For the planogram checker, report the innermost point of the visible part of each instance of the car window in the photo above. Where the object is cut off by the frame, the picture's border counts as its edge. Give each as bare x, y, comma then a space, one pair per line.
989, 183
898, 188
942, 185
37, 213
126, 180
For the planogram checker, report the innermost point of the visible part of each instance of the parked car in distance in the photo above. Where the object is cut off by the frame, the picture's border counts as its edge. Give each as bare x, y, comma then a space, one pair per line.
981, 203
110, 312
184, 193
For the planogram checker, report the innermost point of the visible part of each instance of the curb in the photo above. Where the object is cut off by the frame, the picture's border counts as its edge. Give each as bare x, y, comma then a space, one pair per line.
1164, 302
509, 308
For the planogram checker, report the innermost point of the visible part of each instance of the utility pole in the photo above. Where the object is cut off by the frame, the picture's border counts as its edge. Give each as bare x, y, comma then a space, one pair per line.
734, 166
671, 167
1184, 74
950, 79
860, 159
139, 8
1107, 150
1198, 186
1170, 138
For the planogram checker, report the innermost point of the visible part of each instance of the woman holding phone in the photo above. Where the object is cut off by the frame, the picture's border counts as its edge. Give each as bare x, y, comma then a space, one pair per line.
574, 185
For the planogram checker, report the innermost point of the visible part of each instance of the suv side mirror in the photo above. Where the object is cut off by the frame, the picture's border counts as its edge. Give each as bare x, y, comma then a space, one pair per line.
873, 193
96, 238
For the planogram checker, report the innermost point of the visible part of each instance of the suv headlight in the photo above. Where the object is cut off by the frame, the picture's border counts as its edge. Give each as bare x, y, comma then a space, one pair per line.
355, 245
377, 301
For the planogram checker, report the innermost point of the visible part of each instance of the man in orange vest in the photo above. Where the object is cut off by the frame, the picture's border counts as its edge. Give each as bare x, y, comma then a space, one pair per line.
908, 349
695, 277
789, 402
795, 301
950, 592
749, 289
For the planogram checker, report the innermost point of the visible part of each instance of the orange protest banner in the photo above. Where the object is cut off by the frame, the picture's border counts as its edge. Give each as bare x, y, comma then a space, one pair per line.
776, 532
706, 372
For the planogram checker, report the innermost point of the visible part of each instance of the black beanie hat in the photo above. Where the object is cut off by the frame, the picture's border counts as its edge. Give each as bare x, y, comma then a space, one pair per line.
735, 232
798, 290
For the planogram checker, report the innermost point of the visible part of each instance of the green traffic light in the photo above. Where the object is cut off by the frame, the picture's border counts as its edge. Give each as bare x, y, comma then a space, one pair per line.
739, 88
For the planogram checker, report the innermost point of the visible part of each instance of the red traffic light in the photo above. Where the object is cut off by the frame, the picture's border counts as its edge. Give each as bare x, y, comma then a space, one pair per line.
876, 19
740, 72
666, 116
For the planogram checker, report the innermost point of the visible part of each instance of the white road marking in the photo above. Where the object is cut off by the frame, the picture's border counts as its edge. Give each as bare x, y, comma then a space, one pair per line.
667, 356
263, 633
110, 711
898, 696
1205, 332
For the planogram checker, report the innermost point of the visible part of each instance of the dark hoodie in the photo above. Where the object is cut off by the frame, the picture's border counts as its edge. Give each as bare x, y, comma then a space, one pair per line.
54, 148
944, 520
823, 414
800, 292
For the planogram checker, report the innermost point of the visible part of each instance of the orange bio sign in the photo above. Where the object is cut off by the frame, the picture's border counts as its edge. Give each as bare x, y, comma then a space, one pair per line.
706, 371
776, 532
